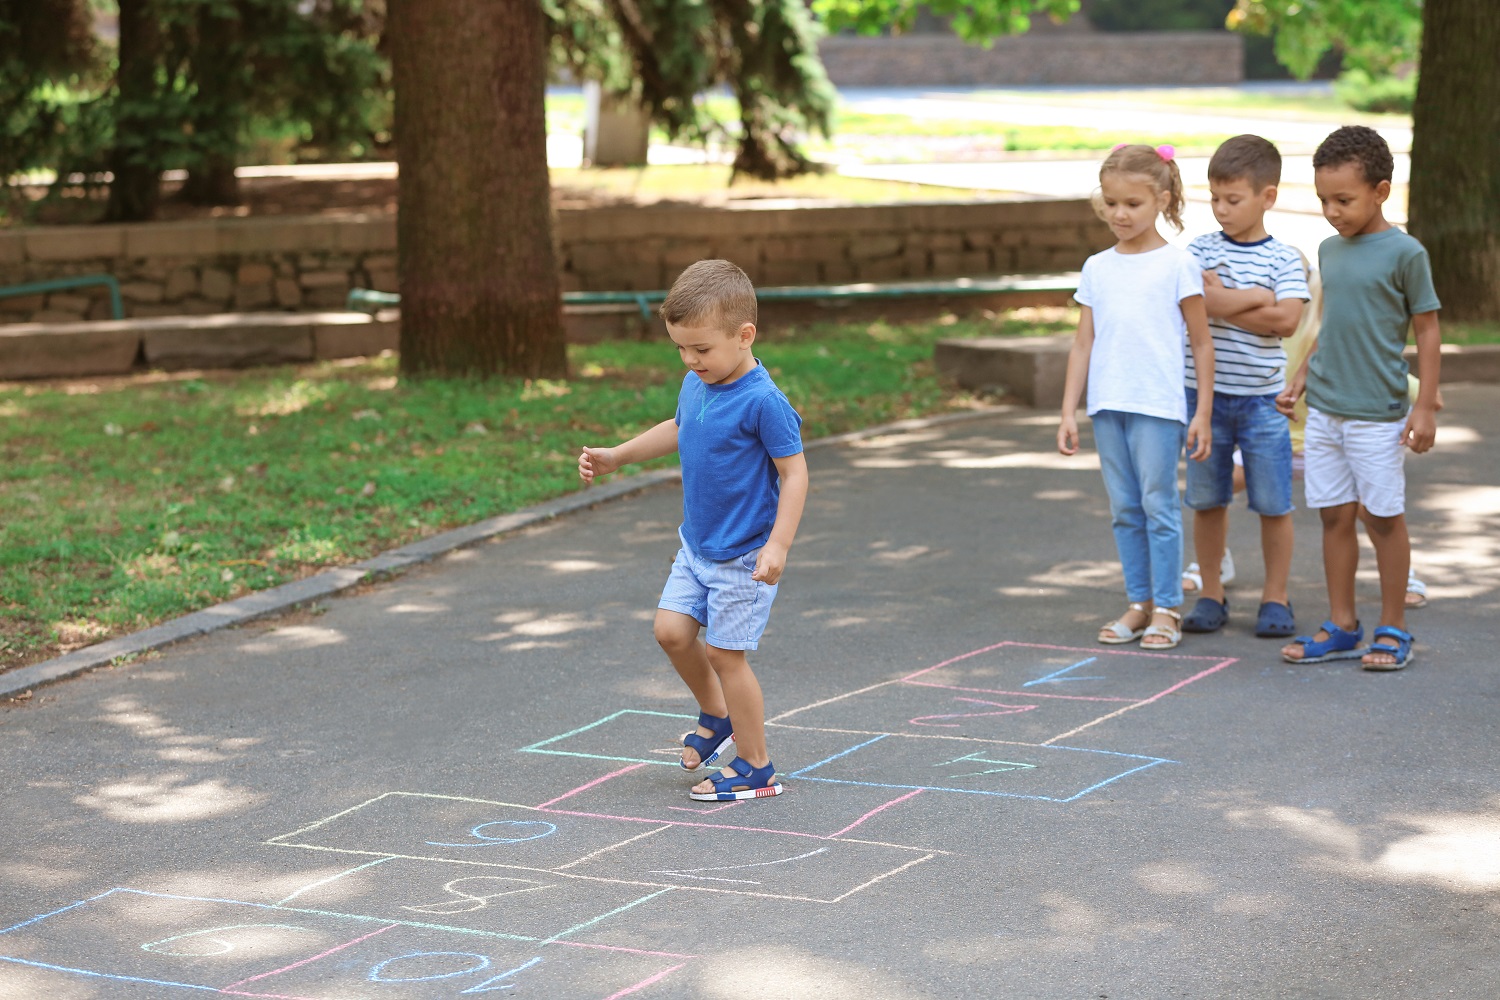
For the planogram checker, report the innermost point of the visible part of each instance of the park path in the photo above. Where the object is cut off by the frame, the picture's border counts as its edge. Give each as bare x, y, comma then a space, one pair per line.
459, 781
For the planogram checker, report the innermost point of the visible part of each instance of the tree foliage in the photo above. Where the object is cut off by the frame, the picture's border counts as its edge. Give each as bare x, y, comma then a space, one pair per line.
1375, 36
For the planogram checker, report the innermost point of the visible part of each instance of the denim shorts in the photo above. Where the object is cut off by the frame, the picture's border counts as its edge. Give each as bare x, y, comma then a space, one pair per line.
720, 595
1264, 439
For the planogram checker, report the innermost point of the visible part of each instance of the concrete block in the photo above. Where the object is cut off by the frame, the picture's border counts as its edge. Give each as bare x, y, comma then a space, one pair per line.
1464, 363
254, 273
248, 298
325, 279
32, 350
56, 243
171, 239
232, 342
63, 302
22, 304
141, 291
216, 285
875, 247
364, 233
365, 337
288, 293
181, 282
1032, 368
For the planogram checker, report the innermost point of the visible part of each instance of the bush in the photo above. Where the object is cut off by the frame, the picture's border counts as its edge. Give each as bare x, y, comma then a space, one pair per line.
1361, 92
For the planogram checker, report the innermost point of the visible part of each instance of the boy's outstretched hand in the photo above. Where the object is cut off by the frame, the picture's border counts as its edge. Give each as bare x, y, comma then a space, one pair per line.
593, 462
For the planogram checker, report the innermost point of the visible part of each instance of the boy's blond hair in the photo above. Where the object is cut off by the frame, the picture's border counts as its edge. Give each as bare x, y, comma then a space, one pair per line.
1247, 158
711, 291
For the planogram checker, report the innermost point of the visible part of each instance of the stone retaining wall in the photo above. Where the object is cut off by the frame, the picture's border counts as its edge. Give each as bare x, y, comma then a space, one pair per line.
1082, 57
300, 264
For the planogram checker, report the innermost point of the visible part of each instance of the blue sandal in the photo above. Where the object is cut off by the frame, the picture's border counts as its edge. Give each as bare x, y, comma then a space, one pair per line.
709, 748
745, 783
1340, 645
1399, 648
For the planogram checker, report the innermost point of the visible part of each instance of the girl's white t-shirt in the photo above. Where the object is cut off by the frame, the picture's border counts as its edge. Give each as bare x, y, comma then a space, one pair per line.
1136, 364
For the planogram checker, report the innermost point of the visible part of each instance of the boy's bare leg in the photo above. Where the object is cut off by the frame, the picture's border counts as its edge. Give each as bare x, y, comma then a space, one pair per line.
747, 708
1276, 540
1340, 563
677, 634
1210, 535
1393, 557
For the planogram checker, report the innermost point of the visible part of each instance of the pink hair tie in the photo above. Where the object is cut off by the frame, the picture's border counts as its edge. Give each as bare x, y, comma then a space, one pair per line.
1166, 152
1119, 146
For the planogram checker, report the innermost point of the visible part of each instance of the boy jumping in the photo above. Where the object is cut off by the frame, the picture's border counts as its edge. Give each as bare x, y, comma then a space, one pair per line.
1376, 281
744, 482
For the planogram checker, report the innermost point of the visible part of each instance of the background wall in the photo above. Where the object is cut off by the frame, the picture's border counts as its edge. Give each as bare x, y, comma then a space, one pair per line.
299, 264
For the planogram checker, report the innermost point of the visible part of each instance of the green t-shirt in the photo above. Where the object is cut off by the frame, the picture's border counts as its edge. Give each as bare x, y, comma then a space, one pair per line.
1372, 286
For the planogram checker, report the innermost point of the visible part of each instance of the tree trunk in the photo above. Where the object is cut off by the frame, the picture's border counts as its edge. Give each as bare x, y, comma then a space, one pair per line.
212, 182
135, 190
475, 259
1455, 155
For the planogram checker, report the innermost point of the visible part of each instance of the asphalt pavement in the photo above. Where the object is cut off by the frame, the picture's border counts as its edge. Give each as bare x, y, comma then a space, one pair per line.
460, 781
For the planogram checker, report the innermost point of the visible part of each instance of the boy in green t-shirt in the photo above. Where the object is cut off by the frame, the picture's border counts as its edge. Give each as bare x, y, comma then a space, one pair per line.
1377, 281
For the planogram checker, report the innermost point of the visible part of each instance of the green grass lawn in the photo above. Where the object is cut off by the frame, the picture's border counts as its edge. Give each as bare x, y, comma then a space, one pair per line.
129, 501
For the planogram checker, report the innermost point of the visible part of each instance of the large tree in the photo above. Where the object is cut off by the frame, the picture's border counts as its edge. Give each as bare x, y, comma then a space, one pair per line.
1455, 154
1454, 206
478, 272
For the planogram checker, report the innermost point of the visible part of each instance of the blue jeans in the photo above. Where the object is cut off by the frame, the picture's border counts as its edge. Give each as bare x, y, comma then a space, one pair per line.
1264, 438
1138, 456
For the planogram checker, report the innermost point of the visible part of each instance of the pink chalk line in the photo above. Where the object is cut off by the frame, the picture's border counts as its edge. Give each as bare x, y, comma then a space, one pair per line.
678, 822
644, 983
1020, 694
872, 812
591, 784
330, 951
1155, 697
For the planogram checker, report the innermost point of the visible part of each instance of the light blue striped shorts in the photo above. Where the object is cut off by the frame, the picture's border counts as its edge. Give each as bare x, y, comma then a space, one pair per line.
720, 595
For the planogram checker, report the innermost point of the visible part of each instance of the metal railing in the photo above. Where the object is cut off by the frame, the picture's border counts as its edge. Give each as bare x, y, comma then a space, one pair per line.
116, 304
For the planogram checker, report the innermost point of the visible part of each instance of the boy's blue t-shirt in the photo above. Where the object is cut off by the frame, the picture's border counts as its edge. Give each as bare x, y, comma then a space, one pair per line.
727, 436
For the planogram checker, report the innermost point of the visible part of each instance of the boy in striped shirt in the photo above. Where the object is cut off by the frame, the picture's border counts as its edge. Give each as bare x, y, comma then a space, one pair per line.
1255, 287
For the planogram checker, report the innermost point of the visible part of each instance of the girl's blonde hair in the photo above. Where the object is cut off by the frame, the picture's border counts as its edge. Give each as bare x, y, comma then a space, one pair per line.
1159, 163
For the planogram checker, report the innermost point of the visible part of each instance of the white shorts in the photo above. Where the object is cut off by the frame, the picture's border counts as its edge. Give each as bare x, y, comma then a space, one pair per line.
1355, 460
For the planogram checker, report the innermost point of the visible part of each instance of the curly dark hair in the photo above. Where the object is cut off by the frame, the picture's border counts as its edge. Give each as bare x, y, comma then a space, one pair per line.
1356, 144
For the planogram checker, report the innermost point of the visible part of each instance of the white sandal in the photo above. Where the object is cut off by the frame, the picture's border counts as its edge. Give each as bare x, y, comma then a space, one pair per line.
1117, 632
1173, 635
1192, 577
1417, 588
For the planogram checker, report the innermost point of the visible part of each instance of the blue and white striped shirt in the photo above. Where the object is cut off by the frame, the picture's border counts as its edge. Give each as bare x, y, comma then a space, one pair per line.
1245, 363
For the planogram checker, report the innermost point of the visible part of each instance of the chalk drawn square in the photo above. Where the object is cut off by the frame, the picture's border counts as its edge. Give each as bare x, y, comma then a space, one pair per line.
1020, 692
400, 962
175, 941
630, 735
461, 830
528, 905
977, 767
755, 863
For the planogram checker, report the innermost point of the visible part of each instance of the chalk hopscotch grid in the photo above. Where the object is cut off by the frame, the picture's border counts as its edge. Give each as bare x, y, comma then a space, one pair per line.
286, 840
386, 922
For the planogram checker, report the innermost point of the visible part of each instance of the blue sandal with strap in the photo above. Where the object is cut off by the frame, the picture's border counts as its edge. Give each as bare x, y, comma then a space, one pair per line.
1397, 647
745, 783
709, 748
1340, 645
